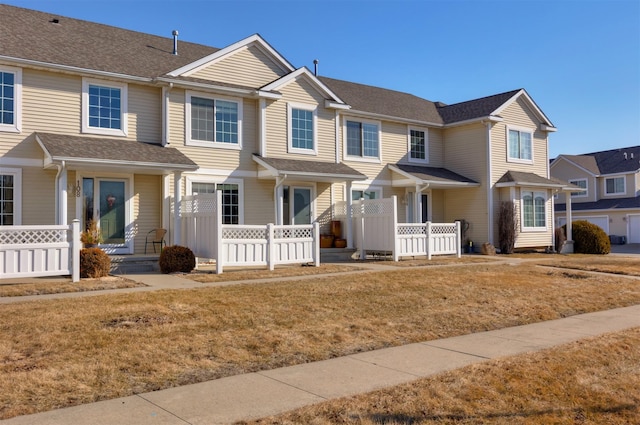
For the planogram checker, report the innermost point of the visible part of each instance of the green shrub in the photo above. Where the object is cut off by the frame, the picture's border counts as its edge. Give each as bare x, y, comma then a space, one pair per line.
177, 258
94, 262
589, 238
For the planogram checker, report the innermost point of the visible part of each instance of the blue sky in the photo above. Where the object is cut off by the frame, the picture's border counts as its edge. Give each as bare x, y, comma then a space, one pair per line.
579, 60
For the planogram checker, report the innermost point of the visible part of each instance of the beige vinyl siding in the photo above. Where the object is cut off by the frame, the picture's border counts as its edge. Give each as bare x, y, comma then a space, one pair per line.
248, 66
300, 92
215, 157
436, 148
465, 153
437, 205
259, 207
323, 207
518, 115
147, 208
38, 196
145, 113
529, 239
566, 171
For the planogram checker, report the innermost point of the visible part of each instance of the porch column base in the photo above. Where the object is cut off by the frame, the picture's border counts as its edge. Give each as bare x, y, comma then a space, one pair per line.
567, 248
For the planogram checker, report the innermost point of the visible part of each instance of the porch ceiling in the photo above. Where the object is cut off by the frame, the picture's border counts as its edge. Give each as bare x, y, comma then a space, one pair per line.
78, 152
272, 168
404, 175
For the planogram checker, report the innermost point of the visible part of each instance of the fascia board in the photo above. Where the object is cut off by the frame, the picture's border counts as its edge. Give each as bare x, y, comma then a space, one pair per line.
533, 104
382, 117
196, 85
253, 39
490, 118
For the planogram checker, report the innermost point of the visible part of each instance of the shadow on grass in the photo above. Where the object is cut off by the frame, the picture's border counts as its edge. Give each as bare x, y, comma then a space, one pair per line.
578, 415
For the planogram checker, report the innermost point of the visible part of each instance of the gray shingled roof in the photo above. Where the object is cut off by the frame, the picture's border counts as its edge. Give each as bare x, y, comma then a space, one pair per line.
476, 108
434, 174
613, 161
114, 151
383, 101
532, 179
29, 34
301, 167
602, 204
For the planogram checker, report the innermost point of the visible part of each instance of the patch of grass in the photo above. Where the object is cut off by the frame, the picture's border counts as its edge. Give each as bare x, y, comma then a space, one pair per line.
56, 287
608, 264
435, 261
592, 381
206, 274
65, 352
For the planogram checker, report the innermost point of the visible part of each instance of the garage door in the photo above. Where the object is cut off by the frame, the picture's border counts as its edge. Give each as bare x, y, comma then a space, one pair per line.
602, 221
634, 228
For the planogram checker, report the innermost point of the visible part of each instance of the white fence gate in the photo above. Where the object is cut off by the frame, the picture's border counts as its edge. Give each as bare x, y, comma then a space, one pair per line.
243, 245
36, 251
376, 230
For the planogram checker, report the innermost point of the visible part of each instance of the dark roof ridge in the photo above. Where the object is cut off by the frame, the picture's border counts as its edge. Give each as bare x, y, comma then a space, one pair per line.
601, 152
480, 98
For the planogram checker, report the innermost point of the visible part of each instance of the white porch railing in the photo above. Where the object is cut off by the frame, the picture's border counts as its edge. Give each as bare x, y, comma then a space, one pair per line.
36, 251
376, 230
243, 245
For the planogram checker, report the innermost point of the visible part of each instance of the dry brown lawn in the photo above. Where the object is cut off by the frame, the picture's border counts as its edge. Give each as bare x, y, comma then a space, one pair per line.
44, 286
71, 351
206, 274
593, 381
604, 264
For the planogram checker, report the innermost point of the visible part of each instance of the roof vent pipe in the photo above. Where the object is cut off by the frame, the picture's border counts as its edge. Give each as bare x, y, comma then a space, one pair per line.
625, 155
175, 42
315, 67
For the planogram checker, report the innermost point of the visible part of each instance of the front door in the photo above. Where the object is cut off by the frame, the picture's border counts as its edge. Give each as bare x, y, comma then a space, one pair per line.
301, 205
105, 200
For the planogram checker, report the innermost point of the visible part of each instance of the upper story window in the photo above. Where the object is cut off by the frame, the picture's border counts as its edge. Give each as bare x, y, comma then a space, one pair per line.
534, 215
363, 140
104, 107
10, 99
615, 186
302, 128
213, 121
582, 183
520, 148
418, 148
10, 196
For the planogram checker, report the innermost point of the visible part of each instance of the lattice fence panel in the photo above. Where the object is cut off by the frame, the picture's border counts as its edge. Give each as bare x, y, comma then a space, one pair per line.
443, 229
236, 233
293, 233
43, 236
412, 230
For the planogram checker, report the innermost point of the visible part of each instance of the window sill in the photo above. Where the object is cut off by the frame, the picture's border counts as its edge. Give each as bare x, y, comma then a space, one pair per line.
215, 145
418, 161
520, 161
303, 151
534, 229
9, 129
104, 131
363, 159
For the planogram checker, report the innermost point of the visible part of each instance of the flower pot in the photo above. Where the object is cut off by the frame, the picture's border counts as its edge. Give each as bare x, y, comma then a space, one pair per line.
340, 243
326, 241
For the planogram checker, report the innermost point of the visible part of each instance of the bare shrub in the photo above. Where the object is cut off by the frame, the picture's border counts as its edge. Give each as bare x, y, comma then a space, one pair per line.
507, 226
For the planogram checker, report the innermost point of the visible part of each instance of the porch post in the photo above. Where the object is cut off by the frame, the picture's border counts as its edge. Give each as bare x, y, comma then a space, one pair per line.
568, 248
62, 197
349, 219
177, 199
417, 205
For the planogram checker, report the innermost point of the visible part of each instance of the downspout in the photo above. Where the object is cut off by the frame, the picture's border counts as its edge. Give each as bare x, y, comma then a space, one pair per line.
57, 192
166, 114
61, 194
262, 119
337, 137
489, 183
277, 200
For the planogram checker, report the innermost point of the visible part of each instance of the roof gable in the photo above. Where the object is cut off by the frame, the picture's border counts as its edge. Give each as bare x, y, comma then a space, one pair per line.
477, 108
255, 42
585, 163
308, 76
614, 161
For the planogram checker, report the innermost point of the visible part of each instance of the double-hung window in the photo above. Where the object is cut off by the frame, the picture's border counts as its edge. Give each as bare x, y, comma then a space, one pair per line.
230, 198
10, 196
302, 128
519, 147
534, 215
104, 107
614, 186
582, 183
213, 121
10, 99
362, 139
418, 149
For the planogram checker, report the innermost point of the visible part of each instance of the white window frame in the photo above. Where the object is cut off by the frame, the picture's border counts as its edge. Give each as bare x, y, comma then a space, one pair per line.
534, 193
124, 99
365, 188
624, 185
220, 180
586, 188
362, 158
17, 192
519, 130
426, 146
16, 127
203, 143
305, 107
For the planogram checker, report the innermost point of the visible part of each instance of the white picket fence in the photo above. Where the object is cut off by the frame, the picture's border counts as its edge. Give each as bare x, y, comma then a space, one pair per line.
36, 251
243, 245
377, 231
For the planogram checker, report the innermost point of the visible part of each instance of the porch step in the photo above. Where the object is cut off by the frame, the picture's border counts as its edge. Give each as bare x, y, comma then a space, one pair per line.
337, 255
132, 264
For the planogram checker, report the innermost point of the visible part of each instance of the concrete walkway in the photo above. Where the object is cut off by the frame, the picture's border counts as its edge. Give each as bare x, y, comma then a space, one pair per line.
256, 395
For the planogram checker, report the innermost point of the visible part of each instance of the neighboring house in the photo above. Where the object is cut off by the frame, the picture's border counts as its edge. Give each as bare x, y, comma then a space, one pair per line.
101, 122
611, 190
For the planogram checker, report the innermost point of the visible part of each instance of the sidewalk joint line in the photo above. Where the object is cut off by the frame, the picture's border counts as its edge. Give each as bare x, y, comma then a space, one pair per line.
290, 385
163, 409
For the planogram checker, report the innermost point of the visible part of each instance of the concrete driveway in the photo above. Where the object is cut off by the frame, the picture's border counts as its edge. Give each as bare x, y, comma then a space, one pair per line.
630, 248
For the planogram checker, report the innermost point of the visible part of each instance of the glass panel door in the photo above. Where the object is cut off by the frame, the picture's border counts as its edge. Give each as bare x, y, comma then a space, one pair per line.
111, 211
301, 205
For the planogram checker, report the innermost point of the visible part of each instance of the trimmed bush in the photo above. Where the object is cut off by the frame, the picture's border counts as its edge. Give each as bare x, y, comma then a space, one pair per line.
94, 263
589, 238
560, 238
177, 258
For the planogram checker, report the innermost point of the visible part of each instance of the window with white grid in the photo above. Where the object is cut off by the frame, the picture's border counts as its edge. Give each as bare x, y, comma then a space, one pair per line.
213, 122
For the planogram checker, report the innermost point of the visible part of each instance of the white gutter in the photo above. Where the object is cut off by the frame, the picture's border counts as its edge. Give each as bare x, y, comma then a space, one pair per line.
166, 92
392, 118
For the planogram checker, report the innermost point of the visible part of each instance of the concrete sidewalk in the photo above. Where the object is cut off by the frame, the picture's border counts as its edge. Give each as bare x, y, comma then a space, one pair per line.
260, 394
